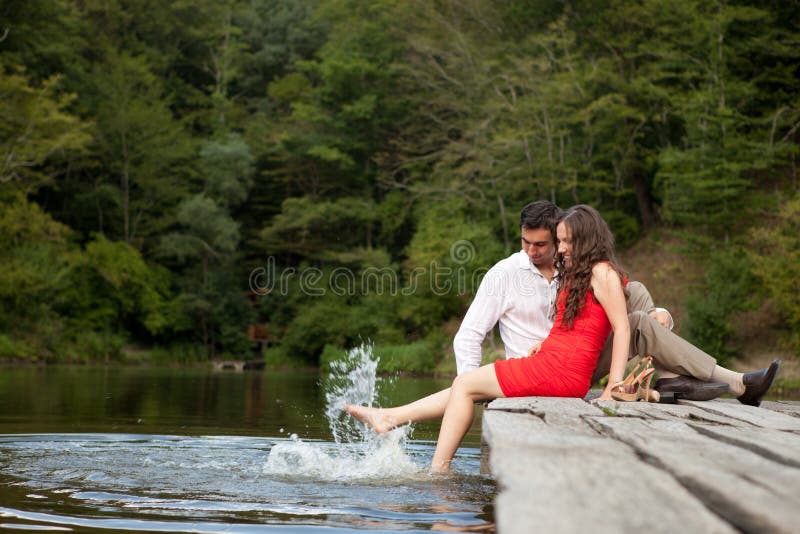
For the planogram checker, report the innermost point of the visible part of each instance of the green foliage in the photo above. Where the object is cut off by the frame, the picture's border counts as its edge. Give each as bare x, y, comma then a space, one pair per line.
185, 353
624, 227
705, 179
15, 349
327, 320
141, 145
34, 254
209, 232
377, 153
446, 258
414, 357
318, 229
729, 287
36, 128
276, 357
96, 346
775, 255
228, 163
110, 285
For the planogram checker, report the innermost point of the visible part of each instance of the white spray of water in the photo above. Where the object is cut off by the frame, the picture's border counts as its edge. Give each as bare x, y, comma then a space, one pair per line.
358, 453
352, 380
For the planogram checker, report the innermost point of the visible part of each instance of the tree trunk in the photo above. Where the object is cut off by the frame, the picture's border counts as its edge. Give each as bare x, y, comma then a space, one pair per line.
502, 206
126, 190
644, 200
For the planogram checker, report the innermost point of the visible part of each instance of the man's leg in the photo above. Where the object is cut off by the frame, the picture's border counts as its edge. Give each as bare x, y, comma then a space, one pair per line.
669, 351
684, 370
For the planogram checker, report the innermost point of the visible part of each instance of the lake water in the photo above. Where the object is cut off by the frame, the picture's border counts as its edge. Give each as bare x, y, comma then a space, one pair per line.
118, 449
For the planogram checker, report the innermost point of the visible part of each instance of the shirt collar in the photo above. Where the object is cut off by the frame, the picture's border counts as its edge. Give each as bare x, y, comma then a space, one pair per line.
525, 263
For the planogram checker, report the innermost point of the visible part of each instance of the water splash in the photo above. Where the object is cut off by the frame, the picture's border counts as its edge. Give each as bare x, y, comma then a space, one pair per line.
358, 453
352, 380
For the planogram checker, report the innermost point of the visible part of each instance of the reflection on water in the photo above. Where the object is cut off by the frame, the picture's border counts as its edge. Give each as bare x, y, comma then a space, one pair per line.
178, 450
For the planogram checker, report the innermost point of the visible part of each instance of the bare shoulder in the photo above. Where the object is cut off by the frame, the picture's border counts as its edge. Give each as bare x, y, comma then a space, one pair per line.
602, 270
604, 276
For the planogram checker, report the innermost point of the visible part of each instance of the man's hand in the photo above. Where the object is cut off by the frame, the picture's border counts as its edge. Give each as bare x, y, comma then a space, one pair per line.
535, 349
663, 318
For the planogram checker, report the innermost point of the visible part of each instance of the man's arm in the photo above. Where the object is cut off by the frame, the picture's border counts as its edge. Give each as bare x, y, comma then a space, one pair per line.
486, 309
664, 317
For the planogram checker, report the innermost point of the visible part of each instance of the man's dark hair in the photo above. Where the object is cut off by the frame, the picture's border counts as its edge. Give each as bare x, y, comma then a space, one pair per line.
541, 214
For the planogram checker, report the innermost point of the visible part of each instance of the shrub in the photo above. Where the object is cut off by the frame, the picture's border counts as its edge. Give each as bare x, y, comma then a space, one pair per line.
414, 357
775, 255
729, 287
179, 352
14, 348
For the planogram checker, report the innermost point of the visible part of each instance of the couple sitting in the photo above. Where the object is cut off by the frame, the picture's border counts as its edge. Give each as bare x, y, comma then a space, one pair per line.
591, 298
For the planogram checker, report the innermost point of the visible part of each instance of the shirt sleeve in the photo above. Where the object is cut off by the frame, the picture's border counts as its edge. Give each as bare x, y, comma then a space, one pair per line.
671, 320
489, 305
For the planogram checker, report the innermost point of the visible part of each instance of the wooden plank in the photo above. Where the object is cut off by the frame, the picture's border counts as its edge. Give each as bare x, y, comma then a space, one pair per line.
754, 493
650, 410
776, 445
566, 413
756, 416
557, 481
784, 407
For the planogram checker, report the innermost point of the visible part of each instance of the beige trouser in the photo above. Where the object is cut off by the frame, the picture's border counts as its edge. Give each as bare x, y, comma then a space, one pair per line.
648, 337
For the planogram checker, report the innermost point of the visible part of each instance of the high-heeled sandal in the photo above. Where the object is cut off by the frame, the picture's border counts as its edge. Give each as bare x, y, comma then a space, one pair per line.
626, 386
635, 386
645, 393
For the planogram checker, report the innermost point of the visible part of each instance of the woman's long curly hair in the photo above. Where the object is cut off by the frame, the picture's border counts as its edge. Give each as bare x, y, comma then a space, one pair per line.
592, 243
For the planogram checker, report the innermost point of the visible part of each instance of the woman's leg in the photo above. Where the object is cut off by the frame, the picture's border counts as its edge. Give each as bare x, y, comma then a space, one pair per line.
384, 419
480, 384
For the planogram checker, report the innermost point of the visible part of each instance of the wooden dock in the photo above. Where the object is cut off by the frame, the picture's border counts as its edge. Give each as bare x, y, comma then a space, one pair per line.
566, 465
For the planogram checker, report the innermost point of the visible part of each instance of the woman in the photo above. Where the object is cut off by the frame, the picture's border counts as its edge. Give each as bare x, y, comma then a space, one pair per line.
590, 303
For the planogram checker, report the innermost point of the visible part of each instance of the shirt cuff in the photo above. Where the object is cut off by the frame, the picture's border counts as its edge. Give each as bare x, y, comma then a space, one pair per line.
671, 320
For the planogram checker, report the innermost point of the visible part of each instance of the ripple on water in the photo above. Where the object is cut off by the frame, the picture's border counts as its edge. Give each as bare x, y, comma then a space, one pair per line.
141, 482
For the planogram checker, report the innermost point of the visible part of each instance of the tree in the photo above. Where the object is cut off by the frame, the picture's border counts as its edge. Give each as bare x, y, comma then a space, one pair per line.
775, 256
207, 233
228, 165
142, 146
704, 176
36, 130
34, 254
109, 287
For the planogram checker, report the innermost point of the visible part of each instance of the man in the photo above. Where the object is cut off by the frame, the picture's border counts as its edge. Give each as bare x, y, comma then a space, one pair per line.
519, 292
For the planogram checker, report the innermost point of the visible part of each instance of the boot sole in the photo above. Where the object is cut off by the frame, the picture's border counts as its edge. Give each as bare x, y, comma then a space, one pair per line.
703, 393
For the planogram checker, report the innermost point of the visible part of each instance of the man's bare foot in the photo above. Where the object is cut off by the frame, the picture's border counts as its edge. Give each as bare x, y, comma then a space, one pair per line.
374, 417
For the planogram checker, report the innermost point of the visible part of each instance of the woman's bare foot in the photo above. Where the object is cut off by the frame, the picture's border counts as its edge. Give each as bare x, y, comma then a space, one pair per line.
440, 467
374, 417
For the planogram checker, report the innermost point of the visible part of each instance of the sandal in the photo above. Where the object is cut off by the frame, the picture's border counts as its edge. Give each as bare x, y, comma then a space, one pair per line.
636, 387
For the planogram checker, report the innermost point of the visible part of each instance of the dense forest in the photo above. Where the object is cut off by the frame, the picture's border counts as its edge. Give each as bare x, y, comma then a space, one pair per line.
197, 179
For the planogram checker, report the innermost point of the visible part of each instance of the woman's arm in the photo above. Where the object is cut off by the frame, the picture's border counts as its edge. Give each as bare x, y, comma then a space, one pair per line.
608, 291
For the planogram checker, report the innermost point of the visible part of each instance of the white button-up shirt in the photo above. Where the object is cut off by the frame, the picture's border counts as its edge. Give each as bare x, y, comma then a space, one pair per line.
517, 295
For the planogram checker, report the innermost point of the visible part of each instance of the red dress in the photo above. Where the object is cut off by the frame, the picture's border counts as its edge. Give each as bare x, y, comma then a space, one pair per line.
564, 365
